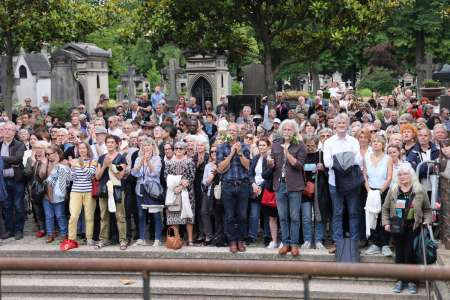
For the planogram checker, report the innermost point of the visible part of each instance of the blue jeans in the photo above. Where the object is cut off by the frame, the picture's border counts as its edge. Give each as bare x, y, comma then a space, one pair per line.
253, 222
51, 211
235, 201
14, 206
288, 205
307, 224
142, 213
352, 201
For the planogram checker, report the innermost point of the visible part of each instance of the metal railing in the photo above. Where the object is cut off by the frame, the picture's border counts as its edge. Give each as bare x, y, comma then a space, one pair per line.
298, 268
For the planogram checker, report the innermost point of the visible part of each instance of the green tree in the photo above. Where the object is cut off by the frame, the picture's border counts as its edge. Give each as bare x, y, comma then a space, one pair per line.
417, 28
28, 24
286, 31
378, 79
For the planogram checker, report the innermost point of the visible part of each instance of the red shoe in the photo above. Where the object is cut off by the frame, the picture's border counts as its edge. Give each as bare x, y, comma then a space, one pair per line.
68, 244
40, 233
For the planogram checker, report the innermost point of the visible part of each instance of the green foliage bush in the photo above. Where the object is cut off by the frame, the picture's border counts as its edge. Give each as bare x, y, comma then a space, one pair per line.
236, 88
364, 93
61, 110
378, 79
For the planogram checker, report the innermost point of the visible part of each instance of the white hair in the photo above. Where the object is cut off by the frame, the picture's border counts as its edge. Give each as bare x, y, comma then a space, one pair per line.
342, 117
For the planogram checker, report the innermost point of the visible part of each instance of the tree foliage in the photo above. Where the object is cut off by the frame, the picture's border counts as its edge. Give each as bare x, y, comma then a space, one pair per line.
378, 79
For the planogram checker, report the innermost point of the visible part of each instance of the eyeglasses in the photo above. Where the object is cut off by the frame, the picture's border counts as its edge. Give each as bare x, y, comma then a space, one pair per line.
249, 137
48, 154
167, 149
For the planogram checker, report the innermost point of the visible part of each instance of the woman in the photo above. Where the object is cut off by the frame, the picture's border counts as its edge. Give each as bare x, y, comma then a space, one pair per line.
180, 164
147, 169
58, 177
32, 167
406, 203
200, 159
82, 173
310, 127
249, 139
258, 166
364, 136
395, 153
209, 181
313, 165
289, 155
409, 135
110, 170
181, 105
378, 176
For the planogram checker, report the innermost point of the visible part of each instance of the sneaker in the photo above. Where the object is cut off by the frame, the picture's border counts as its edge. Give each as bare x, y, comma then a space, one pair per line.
40, 233
280, 245
320, 246
68, 244
306, 245
140, 242
398, 287
18, 235
123, 245
373, 250
412, 288
249, 240
272, 245
156, 243
386, 251
90, 243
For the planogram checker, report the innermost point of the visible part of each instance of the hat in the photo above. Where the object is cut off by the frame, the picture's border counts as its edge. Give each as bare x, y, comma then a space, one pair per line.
101, 130
276, 120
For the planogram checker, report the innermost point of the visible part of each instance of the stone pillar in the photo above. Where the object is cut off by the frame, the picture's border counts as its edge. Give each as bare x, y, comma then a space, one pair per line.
63, 84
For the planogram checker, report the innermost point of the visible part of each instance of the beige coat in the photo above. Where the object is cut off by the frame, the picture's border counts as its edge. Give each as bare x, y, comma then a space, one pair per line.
421, 204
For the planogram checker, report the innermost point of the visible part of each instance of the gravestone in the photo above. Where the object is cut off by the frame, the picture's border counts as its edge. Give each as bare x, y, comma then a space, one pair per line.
207, 78
119, 92
129, 83
79, 74
172, 71
254, 80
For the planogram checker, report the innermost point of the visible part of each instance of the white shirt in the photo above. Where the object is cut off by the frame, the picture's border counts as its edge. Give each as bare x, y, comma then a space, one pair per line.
116, 131
258, 172
335, 145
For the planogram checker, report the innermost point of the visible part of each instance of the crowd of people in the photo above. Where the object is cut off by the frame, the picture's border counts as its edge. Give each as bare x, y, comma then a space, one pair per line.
296, 175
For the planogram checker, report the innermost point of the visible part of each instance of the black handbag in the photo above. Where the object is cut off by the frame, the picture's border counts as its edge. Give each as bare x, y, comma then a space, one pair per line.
397, 225
151, 188
103, 191
38, 187
117, 191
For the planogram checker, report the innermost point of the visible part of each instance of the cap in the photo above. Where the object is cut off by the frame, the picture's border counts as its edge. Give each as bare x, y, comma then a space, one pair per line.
276, 120
101, 130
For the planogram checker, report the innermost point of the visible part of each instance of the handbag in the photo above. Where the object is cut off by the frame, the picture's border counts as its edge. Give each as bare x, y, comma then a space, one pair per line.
269, 199
425, 247
309, 189
151, 188
95, 193
173, 240
38, 187
218, 191
176, 206
397, 225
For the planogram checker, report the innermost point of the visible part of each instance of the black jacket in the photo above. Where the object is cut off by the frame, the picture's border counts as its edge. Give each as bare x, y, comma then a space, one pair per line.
267, 173
15, 159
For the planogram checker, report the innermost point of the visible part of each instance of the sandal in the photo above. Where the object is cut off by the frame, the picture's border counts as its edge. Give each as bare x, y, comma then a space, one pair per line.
101, 244
123, 245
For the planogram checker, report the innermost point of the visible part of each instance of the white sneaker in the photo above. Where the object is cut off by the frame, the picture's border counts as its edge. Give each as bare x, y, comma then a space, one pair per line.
280, 245
272, 245
90, 243
156, 243
306, 245
386, 251
140, 242
320, 246
373, 250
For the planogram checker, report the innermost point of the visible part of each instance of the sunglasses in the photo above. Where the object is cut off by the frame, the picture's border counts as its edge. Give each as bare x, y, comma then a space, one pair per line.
249, 137
179, 148
48, 154
213, 151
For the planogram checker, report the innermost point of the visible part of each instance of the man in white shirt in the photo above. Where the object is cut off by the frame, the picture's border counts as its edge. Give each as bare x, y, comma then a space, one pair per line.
45, 105
113, 128
339, 143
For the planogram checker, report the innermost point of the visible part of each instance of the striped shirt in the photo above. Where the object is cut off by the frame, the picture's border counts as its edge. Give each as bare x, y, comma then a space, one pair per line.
82, 176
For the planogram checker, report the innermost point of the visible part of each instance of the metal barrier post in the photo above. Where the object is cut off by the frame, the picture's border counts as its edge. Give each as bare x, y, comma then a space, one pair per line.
306, 280
146, 284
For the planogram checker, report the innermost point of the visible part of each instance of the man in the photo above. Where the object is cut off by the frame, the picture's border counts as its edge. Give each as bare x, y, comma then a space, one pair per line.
45, 105
133, 112
334, 90
98, 146
246, 116
83, 111
12, 152
145, 107
27, 108
281, 107
113, 127
193, 109
339, 143
233, 160
157, 96
386, 120
444, 116
223, 102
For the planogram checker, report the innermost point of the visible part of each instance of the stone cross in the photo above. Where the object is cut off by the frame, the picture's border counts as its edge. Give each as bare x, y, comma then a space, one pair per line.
131, 86
119, 92
172, 71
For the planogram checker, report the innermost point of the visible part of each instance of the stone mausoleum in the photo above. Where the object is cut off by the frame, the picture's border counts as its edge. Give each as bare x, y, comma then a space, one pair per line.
79, 74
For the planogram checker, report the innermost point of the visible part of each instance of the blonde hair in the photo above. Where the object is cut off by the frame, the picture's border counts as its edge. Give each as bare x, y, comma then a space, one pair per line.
149, 142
